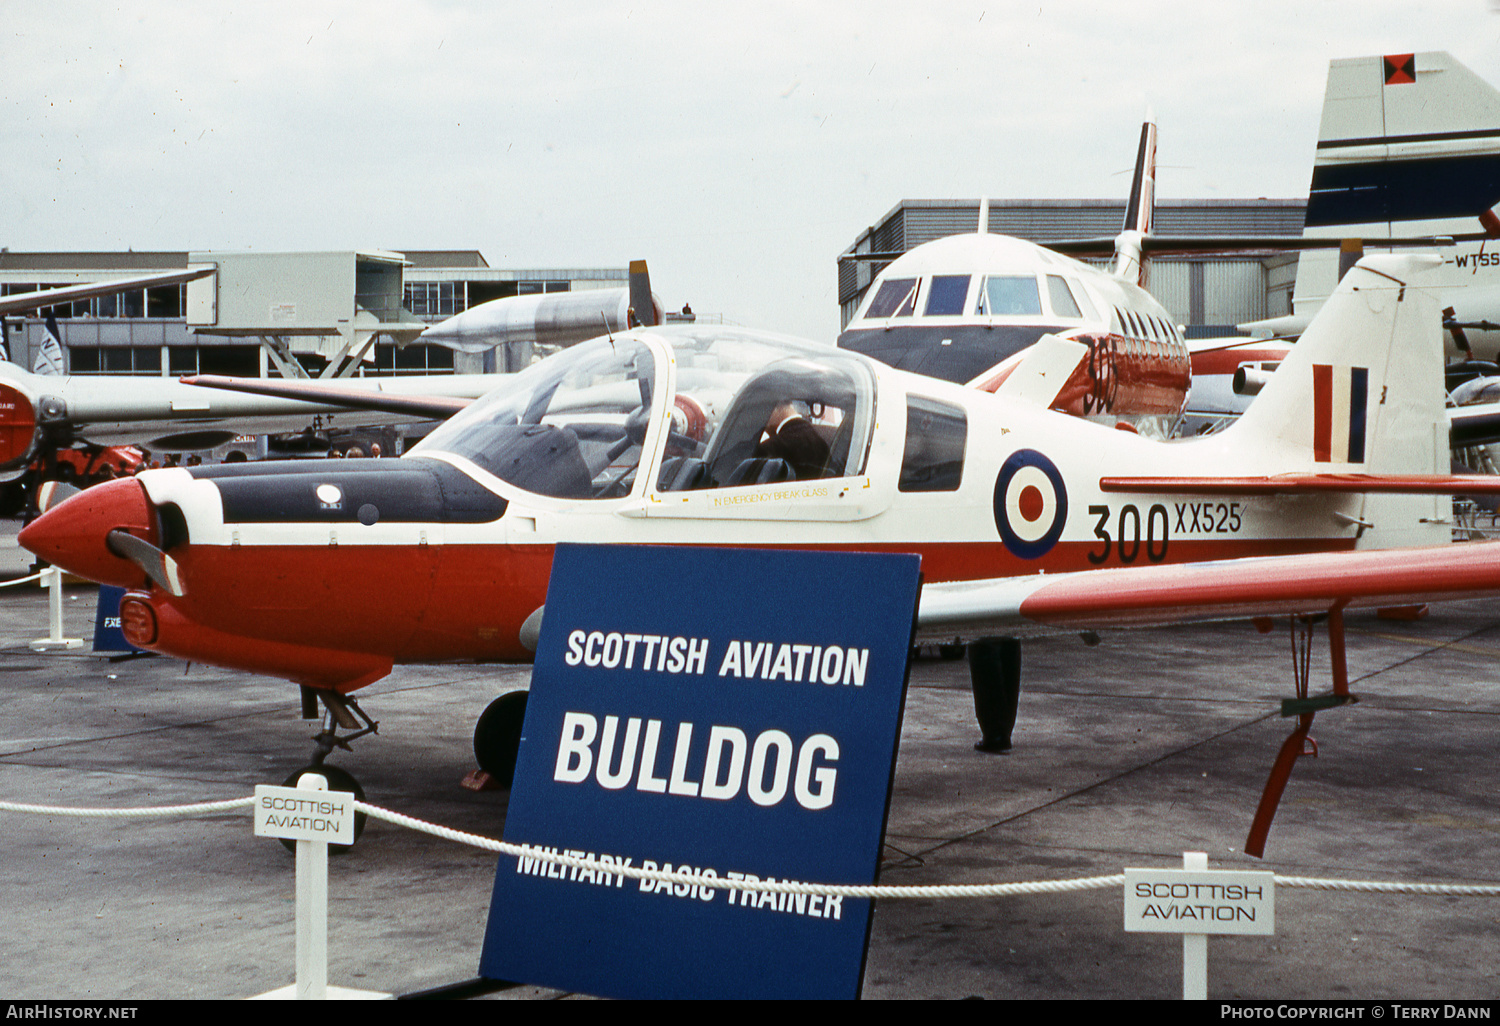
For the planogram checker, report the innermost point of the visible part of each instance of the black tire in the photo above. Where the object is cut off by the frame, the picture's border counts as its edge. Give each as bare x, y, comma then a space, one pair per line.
497, 736
338, 780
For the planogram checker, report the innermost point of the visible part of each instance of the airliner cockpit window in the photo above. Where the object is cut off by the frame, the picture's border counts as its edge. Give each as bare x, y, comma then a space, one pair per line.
1063, 304
945, 298
1081, 294
897, 298
569, 427
1010, 295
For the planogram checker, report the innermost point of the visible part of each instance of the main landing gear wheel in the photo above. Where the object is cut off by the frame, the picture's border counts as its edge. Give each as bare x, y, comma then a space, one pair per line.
497, 736
338, 780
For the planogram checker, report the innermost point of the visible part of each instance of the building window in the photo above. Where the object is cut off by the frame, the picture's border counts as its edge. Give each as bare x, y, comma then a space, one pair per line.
239, 361
434, 298
165, 302
115, 360
417, 358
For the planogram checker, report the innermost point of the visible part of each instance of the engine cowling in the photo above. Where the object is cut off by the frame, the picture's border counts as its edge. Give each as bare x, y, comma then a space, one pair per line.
20, 434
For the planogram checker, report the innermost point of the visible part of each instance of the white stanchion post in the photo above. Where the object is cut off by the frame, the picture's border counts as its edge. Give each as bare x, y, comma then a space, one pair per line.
1195, 945
52, 580
1196, 902
312, 908
284, 812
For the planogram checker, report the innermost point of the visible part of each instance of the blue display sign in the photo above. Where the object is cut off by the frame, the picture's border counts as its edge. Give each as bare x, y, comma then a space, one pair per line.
108, 637
730, 712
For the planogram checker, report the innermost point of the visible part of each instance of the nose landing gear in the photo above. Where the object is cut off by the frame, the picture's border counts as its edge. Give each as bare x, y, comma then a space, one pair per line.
339, 711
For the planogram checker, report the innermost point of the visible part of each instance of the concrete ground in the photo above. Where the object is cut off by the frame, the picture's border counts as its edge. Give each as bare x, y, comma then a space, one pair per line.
1127, 754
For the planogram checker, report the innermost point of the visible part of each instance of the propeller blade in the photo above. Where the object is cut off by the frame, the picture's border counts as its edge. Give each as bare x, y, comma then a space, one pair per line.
158, 566
52, 492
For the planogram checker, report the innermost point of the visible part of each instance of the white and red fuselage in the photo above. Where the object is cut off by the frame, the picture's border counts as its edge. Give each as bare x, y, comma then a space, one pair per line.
328, 572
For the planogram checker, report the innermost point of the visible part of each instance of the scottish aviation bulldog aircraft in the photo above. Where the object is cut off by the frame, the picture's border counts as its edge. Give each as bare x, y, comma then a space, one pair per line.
1328, 494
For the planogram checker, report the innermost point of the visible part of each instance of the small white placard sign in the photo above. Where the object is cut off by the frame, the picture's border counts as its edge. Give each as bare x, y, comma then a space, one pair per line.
1199, 901
298, 814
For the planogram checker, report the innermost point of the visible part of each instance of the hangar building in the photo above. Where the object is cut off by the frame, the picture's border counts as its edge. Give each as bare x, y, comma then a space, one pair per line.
1207, 294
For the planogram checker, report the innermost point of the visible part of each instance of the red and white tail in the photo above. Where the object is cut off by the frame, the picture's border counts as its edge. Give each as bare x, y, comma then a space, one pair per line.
1362, 392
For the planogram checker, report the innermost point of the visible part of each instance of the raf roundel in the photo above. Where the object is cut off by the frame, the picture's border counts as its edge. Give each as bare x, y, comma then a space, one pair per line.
1031, 504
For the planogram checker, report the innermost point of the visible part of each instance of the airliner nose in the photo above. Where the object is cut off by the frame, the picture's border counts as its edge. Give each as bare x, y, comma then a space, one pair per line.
72, 535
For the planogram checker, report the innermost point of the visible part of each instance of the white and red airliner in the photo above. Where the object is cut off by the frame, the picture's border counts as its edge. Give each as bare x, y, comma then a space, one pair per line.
1331, 492
970, 308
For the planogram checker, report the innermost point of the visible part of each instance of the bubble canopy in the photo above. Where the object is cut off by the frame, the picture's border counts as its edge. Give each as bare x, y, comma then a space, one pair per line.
675, 408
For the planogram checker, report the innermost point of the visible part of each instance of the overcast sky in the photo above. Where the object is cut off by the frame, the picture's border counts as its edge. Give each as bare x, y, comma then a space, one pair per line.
738, 148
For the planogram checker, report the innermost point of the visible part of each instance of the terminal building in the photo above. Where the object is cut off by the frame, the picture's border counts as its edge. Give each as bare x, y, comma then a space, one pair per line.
1208, 295
263, 310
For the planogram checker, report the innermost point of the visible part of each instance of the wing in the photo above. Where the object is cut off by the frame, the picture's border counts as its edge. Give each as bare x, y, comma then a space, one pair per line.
23, 301
1223, 590
372, 397
1292, 484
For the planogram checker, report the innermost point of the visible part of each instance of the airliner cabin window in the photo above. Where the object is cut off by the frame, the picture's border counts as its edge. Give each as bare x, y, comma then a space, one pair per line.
935, 436
947, 294
1010, 295
897, 298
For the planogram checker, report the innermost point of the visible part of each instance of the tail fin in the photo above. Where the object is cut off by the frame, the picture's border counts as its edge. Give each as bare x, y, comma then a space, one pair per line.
1409, 146
1362, 392
49, 357
1139, 211
644, 310
1141, 208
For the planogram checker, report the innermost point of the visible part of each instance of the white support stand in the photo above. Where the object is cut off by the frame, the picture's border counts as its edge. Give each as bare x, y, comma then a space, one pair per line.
312, 924
52, 580
1195, 945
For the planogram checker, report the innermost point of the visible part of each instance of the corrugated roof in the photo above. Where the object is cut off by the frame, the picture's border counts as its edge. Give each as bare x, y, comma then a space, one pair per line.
913, 222
127, 261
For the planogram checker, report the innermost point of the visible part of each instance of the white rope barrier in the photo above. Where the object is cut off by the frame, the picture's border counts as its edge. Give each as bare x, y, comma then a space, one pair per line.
137, 813
709, 882
23, 580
